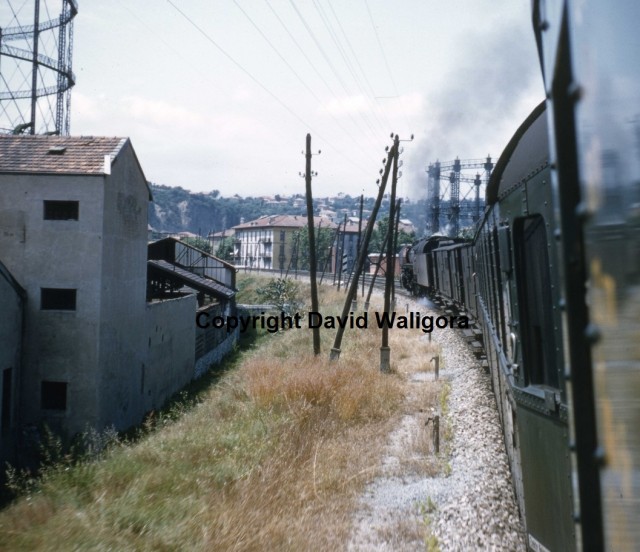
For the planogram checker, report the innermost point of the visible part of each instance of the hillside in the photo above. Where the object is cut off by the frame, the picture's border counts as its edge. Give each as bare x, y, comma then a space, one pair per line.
175, 209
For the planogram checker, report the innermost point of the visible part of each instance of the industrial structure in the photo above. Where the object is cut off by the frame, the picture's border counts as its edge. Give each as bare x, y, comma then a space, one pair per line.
100, 326
443, 193
36, 77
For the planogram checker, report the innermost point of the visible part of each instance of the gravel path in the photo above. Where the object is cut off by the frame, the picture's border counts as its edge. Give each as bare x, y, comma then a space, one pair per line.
470, 504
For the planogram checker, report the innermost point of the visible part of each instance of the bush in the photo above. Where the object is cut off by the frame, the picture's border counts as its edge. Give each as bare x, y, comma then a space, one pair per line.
283, 294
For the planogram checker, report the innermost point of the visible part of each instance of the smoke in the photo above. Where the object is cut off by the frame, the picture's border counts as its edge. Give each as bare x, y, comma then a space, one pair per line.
493, 83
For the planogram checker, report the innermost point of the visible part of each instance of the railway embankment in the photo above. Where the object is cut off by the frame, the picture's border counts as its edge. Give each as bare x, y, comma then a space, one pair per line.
465, 501
286, 451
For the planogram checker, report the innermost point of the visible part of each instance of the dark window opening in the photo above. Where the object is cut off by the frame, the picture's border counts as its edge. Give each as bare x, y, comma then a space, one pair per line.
6, 398
53, 395
57, 299
536, 316
61, 210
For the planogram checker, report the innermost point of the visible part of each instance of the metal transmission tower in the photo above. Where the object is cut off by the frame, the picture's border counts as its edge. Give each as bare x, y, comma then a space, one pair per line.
433, 196
36, 45
453, 174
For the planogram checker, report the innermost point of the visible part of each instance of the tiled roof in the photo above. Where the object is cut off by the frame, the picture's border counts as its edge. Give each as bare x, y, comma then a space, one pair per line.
283, 221
57, 154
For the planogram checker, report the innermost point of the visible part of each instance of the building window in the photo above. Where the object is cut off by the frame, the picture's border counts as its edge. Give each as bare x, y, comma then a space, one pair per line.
57, 299
6, 397
53, 395
61, 210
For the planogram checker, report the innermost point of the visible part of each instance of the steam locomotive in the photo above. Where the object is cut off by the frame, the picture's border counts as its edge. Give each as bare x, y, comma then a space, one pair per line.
552, 280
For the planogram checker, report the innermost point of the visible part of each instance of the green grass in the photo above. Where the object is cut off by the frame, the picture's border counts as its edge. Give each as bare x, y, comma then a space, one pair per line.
268, 453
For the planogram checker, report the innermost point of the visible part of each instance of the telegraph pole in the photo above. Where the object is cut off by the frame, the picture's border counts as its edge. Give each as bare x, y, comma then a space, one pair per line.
353, 288
385, 351
344, 233
312, 245
354, 305
378, 265
393, 260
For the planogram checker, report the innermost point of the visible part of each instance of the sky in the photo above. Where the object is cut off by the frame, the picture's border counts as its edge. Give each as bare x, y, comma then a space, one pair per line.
219, 95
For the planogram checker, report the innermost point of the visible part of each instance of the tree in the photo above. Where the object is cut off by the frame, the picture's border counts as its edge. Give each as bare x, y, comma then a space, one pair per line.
199, 243
324, 239
225, 249
380, 231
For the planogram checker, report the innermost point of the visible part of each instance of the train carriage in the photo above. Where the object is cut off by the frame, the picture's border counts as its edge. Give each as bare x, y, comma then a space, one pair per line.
552, 278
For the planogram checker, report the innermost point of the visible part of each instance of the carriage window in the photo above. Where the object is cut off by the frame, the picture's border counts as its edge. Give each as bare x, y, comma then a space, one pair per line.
534, 292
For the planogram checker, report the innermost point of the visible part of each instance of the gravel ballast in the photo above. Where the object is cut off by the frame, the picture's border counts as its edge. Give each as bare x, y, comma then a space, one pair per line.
469, 504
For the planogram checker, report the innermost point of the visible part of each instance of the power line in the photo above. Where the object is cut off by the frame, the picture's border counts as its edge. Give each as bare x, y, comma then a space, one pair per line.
326, 58
315, 69
309, 89
256, 81
239, 65
342, 52
384, 56
355, 57
356, 142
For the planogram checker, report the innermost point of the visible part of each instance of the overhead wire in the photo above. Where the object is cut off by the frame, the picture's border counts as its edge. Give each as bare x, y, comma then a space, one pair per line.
311, 63
282, 58
297, 75
343, 54
257, 82
384, 56
357, 60
329, 62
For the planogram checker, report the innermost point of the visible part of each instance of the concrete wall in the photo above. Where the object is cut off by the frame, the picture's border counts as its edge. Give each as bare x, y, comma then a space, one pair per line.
122, 332
170, 330
215, 355
60, 346
11, 307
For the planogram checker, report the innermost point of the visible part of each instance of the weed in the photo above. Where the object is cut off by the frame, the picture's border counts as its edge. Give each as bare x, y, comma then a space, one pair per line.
426, 509
269, 452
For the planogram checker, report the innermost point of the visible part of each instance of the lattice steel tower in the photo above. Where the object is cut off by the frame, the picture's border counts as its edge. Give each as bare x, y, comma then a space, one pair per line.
452, 174
36, 45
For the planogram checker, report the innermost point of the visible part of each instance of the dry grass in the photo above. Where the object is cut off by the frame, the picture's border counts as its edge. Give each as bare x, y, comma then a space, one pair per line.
272, 459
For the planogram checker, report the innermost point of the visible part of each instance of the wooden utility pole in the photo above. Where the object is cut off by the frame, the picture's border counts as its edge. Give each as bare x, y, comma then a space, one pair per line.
340, 261
312, 246
385, 351
378, 265
354, 305
334, 246
353, 288
395, 248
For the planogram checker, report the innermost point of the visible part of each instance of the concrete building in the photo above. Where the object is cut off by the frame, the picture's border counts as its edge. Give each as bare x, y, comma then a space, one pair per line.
12, 304
347, 245
73, 232
270, 242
